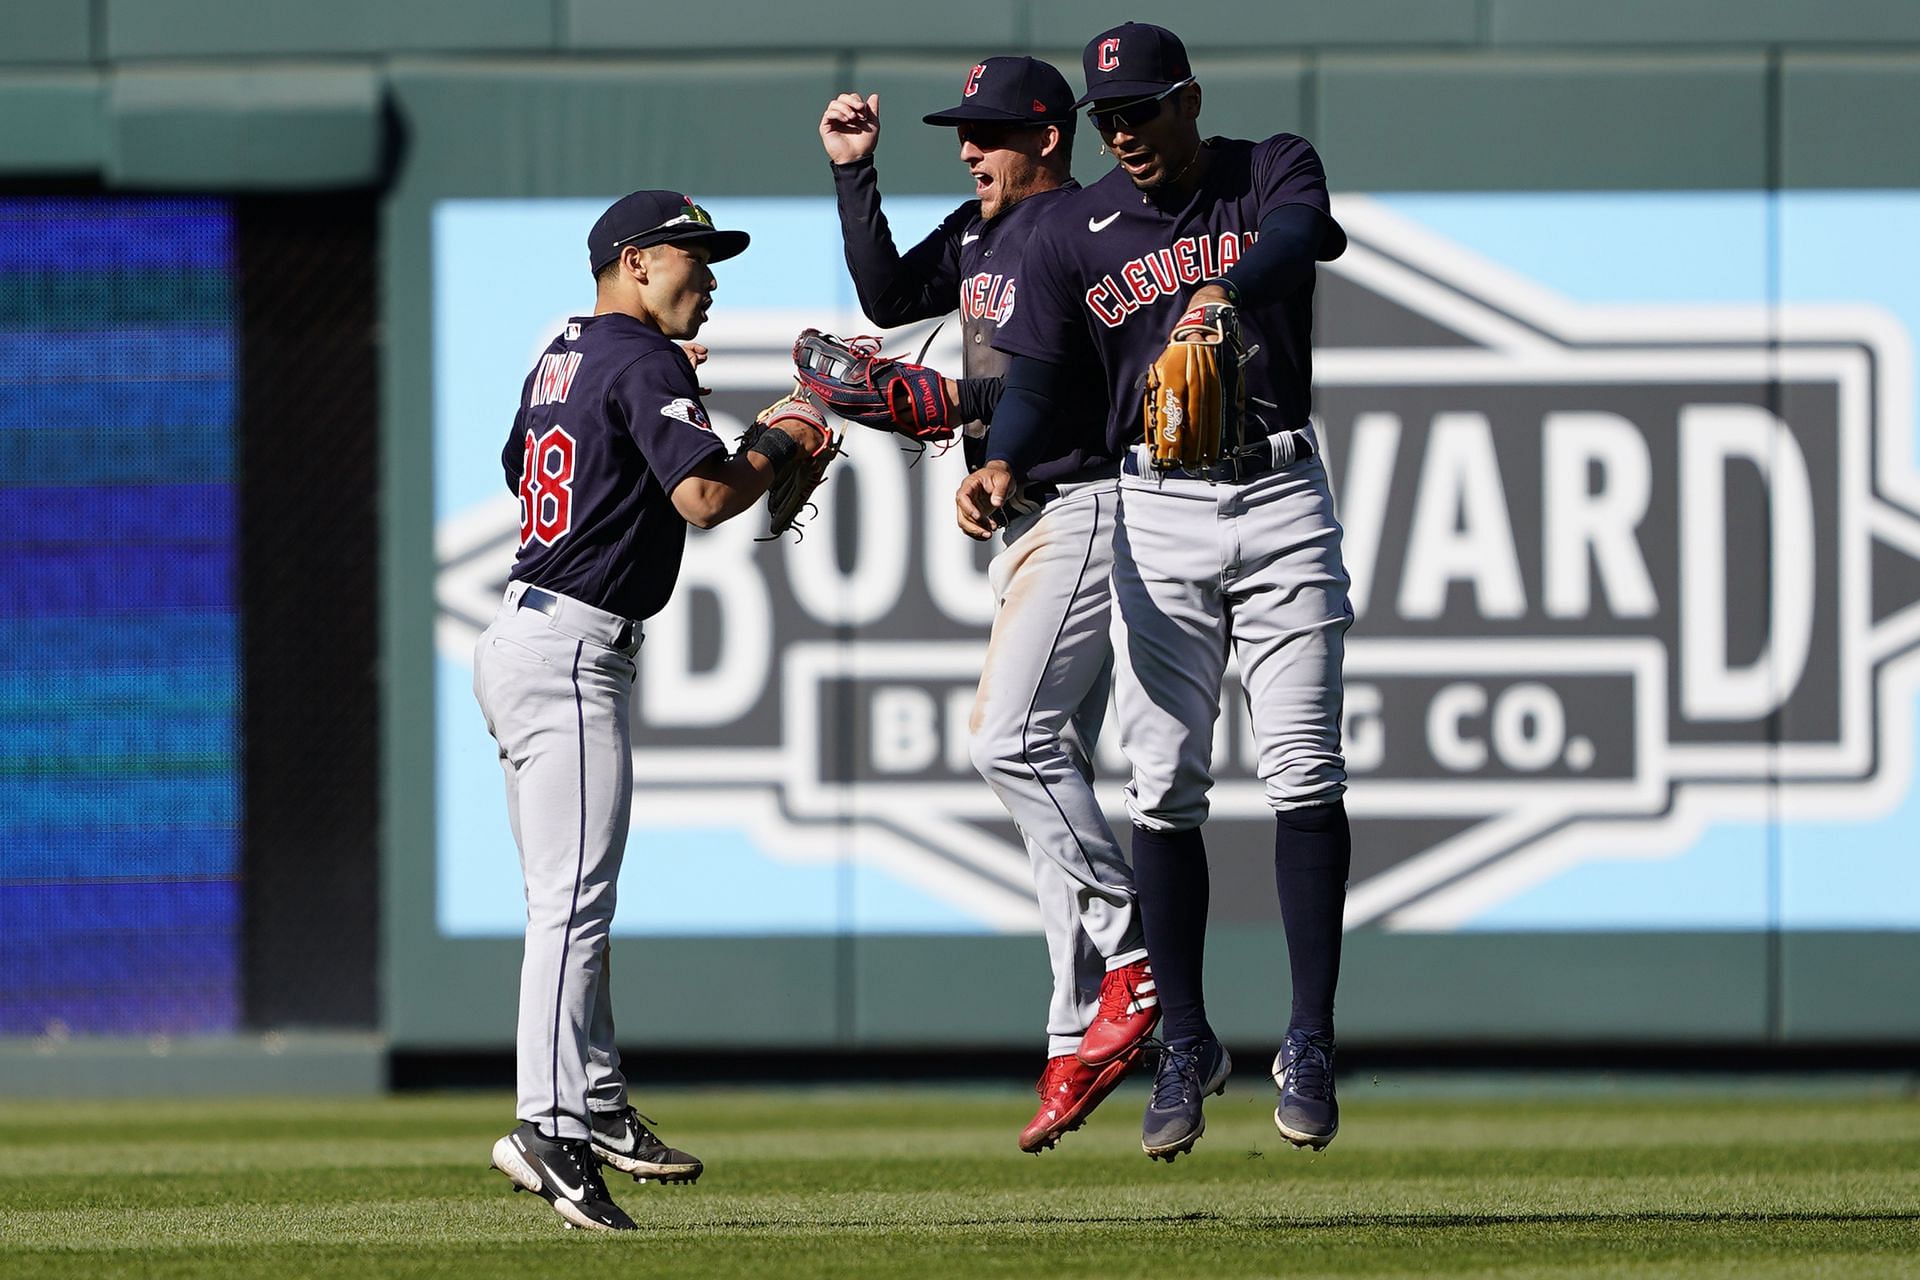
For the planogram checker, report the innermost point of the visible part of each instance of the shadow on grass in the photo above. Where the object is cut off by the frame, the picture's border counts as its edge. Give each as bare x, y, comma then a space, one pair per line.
1627, 1217
1362, 1221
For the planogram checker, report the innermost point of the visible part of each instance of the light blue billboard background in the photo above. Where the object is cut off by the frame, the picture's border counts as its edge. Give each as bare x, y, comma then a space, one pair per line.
1832, 247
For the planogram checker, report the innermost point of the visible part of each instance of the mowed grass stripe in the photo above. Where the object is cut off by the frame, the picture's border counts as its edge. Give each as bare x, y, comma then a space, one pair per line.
927, 1183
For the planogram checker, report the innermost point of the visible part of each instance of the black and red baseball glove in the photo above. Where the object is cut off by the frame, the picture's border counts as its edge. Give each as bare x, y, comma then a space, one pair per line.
859, 384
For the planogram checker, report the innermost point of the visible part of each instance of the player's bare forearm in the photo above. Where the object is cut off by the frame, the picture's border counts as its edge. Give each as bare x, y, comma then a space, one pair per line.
977, 505
721, 488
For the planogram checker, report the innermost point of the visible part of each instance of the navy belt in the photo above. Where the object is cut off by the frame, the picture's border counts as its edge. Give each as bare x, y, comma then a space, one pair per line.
625, 639
1236, 468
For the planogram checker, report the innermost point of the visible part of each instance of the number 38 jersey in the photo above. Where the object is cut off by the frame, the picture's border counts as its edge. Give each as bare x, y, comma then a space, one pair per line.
610, 421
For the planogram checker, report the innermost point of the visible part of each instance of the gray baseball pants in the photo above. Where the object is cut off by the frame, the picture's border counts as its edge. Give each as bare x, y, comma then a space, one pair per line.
1203, 565
555, 693
1042, 697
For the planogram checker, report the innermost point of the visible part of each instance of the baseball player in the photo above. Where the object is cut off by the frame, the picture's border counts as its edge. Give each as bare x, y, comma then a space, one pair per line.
612, 456
1186, 233
1043, 690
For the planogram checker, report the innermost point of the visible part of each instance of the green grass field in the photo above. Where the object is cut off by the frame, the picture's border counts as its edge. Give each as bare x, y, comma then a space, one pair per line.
927, 1183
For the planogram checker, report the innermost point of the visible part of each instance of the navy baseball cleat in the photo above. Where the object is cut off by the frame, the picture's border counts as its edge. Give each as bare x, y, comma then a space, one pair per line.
622, 1140
1308, 1114
1186, 1077
562, 1172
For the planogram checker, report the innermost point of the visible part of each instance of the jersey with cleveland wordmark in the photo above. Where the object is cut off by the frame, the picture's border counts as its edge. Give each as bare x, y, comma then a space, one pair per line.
610, 421
1119, 266
978, 261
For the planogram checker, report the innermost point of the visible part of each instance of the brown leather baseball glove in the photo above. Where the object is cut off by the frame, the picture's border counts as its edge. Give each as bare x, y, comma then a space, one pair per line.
1195, 400
792, 492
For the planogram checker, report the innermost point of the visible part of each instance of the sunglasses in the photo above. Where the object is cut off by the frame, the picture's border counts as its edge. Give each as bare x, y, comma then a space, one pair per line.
988, 136
1131, 115
693, 216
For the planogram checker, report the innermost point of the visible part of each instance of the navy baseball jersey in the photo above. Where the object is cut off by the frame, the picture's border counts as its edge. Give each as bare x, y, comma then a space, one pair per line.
1117, 265
610, 421
980, 261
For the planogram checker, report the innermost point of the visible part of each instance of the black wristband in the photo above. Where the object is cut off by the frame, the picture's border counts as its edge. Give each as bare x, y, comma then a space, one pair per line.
976, 397
777, 447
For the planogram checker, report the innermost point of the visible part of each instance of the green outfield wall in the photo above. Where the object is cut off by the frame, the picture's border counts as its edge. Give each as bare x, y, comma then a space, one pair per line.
423, 102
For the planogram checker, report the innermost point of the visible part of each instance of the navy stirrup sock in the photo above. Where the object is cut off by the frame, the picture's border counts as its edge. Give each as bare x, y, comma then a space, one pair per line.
1312, 858
1170, 875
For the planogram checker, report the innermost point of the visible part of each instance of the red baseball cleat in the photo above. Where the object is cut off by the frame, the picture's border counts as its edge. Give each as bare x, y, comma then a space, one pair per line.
1128, 1009
1069, 1090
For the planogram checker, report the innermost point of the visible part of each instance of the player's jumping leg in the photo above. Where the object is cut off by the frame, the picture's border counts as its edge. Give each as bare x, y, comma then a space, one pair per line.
1290, 635
1313, 855
1042, 692
1170, 655
1129, 999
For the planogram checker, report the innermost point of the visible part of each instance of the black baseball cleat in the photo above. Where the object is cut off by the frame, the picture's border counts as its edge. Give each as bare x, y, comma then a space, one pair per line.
1308, 1114
1185, 1078
563, 1172
622, 1140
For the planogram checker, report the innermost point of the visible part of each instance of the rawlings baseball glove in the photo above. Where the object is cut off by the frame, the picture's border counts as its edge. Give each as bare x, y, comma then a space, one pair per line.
801, 473
1195, 400
859, 384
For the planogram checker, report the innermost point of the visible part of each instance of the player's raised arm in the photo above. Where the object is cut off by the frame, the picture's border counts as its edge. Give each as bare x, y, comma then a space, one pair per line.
893, 288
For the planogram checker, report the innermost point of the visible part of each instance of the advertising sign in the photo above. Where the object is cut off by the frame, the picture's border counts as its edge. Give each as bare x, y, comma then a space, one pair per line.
1632, 515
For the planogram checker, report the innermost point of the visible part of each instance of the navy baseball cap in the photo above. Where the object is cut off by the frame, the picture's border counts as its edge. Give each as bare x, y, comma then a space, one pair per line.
648, 218
1010, 91
1133, 60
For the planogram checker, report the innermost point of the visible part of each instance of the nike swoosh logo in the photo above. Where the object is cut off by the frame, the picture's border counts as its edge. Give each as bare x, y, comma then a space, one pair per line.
572, 1193
968, 239
1100, 224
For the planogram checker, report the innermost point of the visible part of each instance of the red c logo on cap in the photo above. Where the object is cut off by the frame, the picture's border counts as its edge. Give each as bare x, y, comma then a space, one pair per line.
973, 80
1109, 59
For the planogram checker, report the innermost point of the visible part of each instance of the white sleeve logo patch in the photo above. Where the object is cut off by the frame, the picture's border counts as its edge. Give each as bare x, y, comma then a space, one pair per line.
689, 412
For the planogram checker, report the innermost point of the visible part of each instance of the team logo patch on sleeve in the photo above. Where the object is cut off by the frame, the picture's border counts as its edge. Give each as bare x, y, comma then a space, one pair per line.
689, 412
